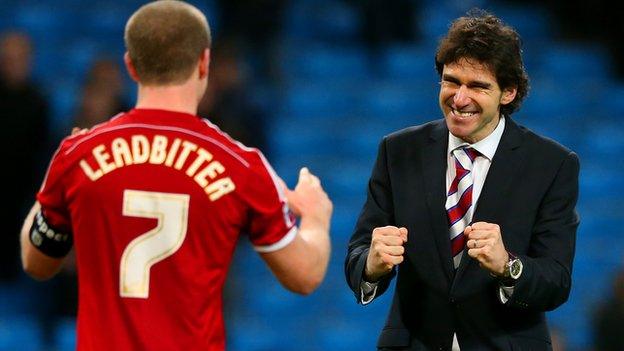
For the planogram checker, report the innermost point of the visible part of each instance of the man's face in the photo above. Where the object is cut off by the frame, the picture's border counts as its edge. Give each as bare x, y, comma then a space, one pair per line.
15, 52
470, 99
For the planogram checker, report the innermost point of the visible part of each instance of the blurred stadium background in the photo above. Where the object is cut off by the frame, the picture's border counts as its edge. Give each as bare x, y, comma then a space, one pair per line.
324, 83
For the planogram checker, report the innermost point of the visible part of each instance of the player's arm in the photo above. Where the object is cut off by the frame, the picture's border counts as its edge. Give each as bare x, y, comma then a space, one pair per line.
301, 265
36, 263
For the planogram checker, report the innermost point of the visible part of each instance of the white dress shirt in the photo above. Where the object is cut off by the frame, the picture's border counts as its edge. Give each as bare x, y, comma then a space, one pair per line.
481, 165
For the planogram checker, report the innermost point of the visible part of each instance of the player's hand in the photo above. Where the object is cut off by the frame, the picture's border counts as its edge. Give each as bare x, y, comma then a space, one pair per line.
485, 244
308, 200
386, 251
77, 130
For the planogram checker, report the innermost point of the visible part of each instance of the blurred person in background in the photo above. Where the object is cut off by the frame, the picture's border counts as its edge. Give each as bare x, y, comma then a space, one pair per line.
24, 120
227, 103
254, 25
589, 21
155, 199
102, 98
609, 319
102, 95
386, 22
473, 213
558, 339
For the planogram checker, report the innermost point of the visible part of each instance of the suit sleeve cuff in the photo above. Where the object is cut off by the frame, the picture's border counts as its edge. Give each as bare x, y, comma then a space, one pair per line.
504, 293
368, 291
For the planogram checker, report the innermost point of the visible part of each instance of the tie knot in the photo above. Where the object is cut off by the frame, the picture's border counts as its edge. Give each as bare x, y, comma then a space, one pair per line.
472, 153
468, 151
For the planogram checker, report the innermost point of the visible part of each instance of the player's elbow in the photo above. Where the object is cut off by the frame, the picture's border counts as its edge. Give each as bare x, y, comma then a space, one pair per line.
305, 286
37, 271
39, 266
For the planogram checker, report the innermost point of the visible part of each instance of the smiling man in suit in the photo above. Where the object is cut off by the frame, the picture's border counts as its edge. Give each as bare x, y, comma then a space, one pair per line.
474, 214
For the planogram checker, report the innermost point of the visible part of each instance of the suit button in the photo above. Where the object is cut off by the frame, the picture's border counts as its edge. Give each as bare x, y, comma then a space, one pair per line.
452, 300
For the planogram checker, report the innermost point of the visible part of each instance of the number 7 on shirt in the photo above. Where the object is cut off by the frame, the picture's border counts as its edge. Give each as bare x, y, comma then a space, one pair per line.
171, 211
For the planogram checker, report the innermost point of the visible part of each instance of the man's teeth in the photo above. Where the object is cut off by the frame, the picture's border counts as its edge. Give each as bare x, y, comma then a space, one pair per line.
463, 114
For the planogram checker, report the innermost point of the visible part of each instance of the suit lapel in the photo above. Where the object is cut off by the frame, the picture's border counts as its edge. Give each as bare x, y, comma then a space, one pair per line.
505, 167
434, 166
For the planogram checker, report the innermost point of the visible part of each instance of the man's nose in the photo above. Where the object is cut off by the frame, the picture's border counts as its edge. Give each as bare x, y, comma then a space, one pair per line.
461, 97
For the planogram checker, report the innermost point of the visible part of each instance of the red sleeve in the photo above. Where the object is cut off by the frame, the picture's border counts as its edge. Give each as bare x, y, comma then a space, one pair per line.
51, 196
272, 224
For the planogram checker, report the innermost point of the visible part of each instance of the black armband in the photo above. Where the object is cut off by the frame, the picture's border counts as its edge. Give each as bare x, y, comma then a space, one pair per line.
48, 240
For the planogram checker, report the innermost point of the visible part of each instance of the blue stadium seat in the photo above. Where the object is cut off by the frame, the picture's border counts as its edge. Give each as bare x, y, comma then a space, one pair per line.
45, 20
307, 99
65, 335
570, 63
436, 16
20, 333
392, 102
601, 181
322, 20
303, 139
604, 141
106, 18
23, 297
347, 336
609, 109
413, 63
256, 334
531, 21
64, 95
328, 62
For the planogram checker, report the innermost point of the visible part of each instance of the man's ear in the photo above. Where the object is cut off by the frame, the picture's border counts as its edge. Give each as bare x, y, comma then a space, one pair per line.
509, 94
130, 67
204, 63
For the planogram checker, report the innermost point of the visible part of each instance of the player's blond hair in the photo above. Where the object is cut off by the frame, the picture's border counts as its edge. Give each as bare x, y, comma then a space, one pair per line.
165, 40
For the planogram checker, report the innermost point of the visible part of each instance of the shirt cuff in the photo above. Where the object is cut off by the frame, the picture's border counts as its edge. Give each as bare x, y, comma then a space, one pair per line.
504, 293
367, 292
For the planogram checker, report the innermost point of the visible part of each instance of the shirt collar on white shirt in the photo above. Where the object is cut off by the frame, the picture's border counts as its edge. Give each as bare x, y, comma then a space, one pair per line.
486, 147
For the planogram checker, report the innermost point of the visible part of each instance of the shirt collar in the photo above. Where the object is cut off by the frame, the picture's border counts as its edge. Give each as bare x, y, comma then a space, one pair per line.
486, 147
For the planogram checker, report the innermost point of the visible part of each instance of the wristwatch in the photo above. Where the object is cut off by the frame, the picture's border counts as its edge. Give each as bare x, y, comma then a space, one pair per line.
513, 269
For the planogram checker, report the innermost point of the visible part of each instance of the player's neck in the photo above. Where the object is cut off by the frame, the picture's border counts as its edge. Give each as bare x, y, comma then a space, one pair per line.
178, 98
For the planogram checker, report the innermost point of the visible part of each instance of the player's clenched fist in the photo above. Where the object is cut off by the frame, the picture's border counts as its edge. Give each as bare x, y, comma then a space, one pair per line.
308, 200
386, 251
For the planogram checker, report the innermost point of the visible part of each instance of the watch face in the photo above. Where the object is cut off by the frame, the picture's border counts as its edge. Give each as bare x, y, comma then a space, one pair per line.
515, 268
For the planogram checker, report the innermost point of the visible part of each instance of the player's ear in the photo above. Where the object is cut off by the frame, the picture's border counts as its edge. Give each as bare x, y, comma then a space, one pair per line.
204, 63
130, 67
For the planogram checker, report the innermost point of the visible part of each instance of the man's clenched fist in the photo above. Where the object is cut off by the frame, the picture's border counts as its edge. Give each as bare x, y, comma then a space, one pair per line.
386, 251
485, 244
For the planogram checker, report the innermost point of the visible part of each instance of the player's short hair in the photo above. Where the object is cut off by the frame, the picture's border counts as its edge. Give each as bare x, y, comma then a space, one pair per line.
165, 40
483, 37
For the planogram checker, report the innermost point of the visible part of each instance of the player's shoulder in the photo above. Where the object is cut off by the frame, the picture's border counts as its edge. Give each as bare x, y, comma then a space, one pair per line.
73, 141
250, 157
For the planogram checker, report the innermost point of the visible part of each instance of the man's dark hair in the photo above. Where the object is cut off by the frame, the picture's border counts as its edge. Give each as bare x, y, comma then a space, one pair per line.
484, 38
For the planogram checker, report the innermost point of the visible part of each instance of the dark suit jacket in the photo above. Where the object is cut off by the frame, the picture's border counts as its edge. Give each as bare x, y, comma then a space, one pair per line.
530, 192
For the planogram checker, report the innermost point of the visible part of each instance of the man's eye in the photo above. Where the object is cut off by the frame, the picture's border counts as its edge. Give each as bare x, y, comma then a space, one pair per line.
479, 87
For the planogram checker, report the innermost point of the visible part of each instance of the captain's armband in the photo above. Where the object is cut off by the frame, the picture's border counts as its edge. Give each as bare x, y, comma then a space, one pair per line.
48, 240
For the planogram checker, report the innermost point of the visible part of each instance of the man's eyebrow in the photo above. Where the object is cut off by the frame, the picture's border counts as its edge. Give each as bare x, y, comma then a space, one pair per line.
479, 84
449, 78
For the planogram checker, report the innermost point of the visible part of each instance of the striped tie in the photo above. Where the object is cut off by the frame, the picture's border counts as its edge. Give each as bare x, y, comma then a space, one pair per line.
459, 200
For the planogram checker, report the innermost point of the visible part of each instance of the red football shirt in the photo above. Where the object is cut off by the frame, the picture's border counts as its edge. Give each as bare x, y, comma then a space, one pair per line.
156, 201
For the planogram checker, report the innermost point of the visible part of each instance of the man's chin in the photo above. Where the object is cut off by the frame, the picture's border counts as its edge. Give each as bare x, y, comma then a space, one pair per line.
459, 131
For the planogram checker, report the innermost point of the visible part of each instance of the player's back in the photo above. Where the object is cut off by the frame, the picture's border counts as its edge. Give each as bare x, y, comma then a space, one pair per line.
156, 202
